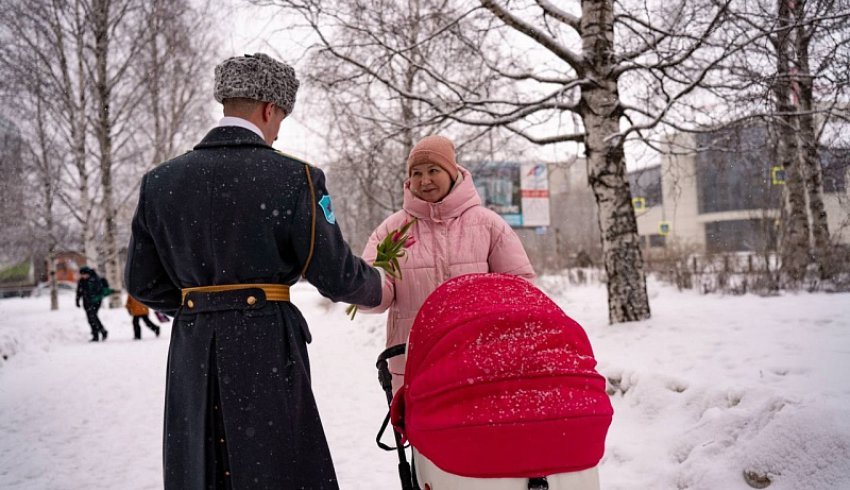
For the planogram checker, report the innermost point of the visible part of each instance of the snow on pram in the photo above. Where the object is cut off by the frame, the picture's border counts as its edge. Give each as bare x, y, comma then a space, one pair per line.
500, 391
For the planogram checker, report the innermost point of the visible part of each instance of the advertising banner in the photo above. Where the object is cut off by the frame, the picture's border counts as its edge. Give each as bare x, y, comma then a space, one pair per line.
517, 192
534, 187
498, 186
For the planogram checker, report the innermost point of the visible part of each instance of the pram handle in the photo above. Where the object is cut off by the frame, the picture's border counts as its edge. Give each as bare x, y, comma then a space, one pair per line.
392, 351
384, 376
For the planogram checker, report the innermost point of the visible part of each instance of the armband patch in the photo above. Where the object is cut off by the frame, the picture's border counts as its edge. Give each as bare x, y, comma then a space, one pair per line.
327, 208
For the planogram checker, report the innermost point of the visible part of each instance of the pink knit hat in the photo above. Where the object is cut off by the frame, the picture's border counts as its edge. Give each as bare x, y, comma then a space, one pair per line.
435, 149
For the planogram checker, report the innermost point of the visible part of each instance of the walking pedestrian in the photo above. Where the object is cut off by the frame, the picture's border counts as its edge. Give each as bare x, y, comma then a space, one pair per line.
91, 289
139, 312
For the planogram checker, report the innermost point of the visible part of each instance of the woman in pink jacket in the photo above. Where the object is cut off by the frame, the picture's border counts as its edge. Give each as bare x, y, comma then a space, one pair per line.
454, 235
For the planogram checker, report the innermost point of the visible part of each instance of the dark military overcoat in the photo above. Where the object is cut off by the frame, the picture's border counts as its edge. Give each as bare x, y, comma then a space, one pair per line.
235, 211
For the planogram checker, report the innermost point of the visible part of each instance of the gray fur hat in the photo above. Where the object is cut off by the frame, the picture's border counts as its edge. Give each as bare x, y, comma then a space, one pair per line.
258, 77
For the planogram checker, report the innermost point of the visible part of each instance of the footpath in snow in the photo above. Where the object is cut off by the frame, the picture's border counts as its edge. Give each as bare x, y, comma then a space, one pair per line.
708, 390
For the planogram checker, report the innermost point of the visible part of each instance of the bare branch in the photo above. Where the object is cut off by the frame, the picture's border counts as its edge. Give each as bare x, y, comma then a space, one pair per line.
573, 59
559, 14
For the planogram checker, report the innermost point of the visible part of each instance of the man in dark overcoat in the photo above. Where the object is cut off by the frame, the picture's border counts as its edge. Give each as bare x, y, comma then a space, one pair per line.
218, 236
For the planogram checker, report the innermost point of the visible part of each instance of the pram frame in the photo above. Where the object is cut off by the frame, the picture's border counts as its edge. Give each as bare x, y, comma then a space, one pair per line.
385, 378
406, 471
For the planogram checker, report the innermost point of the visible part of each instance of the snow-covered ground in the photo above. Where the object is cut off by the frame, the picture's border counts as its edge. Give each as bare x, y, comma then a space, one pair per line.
709, 389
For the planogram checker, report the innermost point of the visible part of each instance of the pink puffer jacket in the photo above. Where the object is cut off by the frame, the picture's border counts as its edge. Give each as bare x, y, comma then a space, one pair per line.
454, 237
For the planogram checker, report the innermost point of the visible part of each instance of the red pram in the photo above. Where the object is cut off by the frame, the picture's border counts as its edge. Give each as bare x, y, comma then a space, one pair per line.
499, 383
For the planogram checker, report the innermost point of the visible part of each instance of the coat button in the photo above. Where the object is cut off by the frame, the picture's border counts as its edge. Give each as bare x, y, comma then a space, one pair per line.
190, 304
251, 300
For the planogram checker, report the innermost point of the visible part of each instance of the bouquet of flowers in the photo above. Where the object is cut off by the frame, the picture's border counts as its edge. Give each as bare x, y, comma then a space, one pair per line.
390, 250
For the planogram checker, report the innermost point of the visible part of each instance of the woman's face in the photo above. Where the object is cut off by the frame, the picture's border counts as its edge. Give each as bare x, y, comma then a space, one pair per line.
430, 182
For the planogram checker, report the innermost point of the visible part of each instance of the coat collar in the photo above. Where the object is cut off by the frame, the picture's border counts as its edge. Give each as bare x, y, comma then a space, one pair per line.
462, 197
231, 136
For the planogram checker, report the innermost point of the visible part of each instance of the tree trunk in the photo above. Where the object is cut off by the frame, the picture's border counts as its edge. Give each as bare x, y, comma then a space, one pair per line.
51, 274
79, 123
153, 83
795, 229
606, 168
49, 192
810, 157
103, 131
47, 177
78, 142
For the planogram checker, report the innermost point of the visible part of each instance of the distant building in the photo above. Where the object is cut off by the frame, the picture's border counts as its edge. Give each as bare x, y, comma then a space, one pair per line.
22, 278
728, 196
67, 266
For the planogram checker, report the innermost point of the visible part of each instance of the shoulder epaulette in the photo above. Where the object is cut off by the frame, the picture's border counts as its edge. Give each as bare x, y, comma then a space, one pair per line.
292, 158
312, 188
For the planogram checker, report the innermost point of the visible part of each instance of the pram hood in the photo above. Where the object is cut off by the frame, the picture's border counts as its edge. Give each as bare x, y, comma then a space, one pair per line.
499, 382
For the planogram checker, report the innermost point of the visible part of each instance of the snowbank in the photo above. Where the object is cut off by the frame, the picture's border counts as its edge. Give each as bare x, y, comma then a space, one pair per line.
712, 392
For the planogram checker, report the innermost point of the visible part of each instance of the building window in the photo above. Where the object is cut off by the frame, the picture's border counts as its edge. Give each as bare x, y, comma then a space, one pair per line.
645, 184
734, 173
835, 163
753, 235
657, 241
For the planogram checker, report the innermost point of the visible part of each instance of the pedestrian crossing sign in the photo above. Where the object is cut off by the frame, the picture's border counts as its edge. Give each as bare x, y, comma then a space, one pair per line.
639, 203
777, 175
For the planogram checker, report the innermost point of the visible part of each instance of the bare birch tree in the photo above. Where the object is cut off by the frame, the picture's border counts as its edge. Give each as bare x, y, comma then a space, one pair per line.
116, 47
146, 55
794, 78
544, 64
173, 67
370, 130
821, 37
37, 230
796, 232
43, 164
88, 59
45, 41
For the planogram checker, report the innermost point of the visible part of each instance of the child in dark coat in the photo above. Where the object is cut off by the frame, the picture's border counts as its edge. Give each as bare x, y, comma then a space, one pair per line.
92, 289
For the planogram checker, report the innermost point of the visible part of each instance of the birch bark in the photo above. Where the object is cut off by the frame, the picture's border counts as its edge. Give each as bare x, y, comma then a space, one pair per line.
809, 142
606, 167
794, 246
103, 132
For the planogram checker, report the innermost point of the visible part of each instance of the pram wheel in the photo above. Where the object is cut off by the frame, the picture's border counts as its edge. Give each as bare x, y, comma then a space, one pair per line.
538, 483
